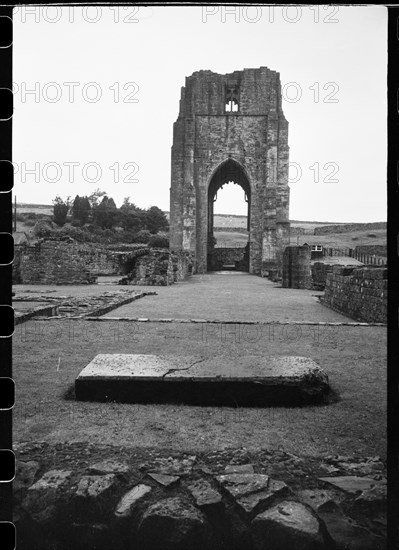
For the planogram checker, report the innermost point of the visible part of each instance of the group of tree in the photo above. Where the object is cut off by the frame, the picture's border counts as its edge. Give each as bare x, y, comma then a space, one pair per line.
100, 210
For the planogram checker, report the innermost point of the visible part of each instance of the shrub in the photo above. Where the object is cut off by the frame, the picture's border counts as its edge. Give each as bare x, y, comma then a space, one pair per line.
75, 233
161, 240
143, 236
29, 223
43, 229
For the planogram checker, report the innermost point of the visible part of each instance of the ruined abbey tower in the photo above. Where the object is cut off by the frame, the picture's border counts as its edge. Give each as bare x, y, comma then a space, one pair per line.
231, 128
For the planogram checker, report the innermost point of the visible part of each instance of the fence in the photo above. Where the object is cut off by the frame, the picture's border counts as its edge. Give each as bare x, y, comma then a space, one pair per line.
367, 259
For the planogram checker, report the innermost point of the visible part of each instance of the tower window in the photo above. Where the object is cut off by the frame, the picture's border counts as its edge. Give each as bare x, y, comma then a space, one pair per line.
231, 100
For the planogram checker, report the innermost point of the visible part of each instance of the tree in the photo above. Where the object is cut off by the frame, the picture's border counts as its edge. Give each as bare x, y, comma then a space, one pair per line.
131, 217
81, 209
95, 197
106, 213
60, 210
155, 220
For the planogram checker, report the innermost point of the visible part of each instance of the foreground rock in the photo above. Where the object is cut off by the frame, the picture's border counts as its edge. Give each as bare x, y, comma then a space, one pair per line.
129, 500
285, 526
46, 495
252, 491
346, 533
173, 524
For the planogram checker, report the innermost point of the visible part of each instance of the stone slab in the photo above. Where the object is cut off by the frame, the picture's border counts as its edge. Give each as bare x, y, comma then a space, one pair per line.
205, 495
252, 491
248, 380
287, 525
164, 479
129, 499
350, 484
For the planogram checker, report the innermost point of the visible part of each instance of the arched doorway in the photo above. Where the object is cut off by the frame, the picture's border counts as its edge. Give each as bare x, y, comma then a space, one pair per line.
227, 256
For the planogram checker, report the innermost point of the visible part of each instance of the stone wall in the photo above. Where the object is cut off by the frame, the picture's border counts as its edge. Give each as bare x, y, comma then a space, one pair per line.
296, 267
58, 262
159, 267
360, 293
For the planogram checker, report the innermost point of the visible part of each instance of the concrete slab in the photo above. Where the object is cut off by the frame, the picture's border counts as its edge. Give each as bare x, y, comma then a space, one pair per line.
249, 380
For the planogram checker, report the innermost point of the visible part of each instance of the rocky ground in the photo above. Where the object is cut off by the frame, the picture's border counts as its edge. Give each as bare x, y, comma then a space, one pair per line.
105, 496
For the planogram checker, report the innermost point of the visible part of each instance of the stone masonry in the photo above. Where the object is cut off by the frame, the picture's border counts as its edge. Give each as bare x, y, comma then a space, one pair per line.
231, 128
361, 293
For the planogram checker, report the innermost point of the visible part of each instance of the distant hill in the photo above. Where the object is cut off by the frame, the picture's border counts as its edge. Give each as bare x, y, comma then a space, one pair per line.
236, 222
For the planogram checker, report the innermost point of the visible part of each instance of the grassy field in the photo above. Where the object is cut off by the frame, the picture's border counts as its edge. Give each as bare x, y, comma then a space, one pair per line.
351, 239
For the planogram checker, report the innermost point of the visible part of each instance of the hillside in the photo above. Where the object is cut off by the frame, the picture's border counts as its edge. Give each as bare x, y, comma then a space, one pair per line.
230, 230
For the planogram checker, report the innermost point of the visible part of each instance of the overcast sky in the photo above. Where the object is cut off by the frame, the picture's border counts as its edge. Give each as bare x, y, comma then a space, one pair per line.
107, 81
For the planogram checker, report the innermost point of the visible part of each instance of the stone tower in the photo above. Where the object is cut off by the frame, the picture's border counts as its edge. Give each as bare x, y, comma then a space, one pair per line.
231, 128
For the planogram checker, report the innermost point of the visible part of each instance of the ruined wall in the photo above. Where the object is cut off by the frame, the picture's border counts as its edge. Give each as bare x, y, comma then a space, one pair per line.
57, 262
254, 139
160, 267
296, 267
360, 293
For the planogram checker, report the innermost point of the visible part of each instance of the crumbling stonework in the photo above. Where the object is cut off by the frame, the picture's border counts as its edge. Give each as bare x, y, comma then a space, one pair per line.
360, 293
159, 267
231, 128
52, 262
57, 262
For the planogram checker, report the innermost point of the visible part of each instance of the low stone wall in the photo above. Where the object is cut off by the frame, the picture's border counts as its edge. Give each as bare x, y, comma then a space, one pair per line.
360, 293
158, 267
58, 262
